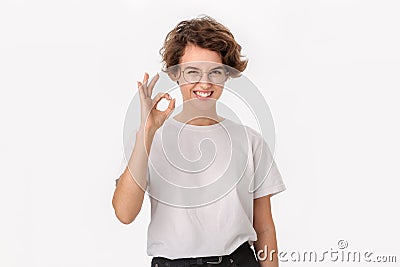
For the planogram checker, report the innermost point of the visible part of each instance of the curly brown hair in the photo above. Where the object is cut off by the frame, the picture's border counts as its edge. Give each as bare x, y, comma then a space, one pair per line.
205, 32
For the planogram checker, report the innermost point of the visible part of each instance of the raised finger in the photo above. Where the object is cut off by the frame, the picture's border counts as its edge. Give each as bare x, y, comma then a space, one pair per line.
151, 84
141, 92
145, 79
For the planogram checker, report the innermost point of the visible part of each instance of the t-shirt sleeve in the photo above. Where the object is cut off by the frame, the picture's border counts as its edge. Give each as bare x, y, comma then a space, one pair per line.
267, 178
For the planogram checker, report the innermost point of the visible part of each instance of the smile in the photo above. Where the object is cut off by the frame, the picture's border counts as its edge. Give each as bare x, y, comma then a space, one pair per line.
203, 94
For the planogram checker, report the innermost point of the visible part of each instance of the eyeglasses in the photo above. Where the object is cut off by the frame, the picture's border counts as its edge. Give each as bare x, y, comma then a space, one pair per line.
193, 75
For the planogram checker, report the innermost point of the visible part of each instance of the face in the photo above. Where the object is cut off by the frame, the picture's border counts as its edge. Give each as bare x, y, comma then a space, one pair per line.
197, 60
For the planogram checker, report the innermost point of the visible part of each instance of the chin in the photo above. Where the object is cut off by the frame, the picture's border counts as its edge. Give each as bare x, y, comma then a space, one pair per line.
201, 104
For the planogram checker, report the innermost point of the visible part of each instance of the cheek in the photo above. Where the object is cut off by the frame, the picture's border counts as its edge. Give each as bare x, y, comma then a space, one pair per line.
219, 90
186, 89
219, 87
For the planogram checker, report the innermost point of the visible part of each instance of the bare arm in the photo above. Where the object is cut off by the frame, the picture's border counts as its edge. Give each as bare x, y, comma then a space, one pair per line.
129, 193
266, 235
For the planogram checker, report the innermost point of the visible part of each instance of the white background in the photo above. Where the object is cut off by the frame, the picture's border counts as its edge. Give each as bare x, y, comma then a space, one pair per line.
68, 70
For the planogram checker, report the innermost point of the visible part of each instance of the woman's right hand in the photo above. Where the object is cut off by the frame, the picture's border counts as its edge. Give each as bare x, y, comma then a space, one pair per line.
152, 118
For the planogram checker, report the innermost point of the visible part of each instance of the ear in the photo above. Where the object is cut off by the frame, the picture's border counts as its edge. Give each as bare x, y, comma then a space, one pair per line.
174, 73
173, 76
234, 73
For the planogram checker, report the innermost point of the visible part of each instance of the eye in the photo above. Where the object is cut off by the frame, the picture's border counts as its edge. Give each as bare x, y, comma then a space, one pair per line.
216, 72
192, 71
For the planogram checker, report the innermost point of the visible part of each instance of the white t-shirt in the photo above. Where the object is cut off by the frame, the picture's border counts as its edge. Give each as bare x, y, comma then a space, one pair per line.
200, 185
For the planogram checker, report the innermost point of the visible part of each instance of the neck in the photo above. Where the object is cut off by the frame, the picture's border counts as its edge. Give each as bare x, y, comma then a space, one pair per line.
198, 117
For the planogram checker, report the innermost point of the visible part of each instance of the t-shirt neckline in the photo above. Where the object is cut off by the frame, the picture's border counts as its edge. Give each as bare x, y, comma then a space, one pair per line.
199, 127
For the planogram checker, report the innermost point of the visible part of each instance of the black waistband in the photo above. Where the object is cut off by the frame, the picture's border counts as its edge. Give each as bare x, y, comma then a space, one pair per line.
203, 260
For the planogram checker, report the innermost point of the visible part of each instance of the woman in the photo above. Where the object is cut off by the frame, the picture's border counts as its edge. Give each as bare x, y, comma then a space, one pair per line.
191, 225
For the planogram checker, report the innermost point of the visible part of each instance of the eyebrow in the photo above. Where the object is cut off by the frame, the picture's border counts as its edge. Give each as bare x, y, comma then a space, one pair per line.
191, 67
219, 67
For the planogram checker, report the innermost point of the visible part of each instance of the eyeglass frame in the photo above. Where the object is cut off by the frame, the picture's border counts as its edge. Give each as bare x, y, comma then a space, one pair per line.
202, 74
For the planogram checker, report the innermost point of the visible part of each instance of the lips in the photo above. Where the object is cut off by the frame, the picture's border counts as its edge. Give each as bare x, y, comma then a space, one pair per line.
203, 94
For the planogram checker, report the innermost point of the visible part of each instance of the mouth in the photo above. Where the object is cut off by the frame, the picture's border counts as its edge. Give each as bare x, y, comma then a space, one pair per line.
200, 94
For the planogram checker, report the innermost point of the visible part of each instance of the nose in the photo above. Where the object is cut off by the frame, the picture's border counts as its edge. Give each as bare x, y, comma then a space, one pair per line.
204, 78
205, 83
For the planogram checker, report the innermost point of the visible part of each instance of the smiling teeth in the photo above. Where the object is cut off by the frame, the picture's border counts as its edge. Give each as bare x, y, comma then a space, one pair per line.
202, 94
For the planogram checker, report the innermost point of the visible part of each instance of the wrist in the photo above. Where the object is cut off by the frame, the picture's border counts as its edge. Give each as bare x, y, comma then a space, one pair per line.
146, 132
